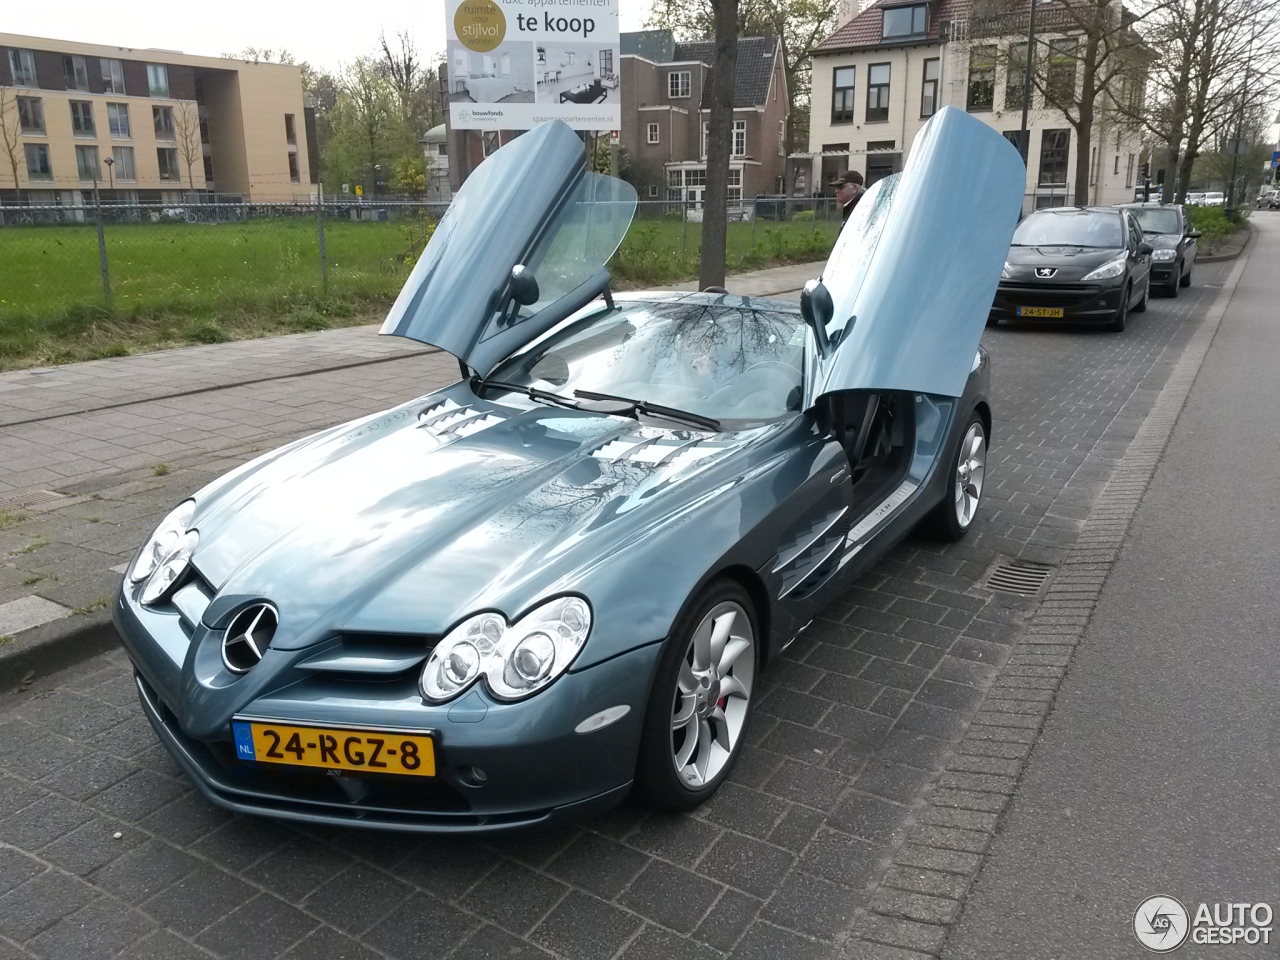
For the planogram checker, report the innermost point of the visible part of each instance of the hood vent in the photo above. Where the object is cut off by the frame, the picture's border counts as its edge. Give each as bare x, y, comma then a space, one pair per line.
657, 446
449, 420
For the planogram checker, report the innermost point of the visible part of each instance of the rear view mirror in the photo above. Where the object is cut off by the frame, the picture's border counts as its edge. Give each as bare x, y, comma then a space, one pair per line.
524, 286
1194, 234
1145, 249
817, 309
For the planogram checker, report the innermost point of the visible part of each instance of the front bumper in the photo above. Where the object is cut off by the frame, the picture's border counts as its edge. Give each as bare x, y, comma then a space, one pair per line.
1097, 300
536, 769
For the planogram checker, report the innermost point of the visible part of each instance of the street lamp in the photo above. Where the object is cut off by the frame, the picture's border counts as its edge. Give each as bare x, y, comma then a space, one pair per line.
377, 177
1024, 144
110, 162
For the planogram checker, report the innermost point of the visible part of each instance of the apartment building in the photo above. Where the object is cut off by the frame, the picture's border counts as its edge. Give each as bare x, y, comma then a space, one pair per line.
880, 76
664, 116
148, 126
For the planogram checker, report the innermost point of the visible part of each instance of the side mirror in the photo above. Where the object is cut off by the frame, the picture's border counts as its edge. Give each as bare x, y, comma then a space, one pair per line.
524, 286
817, 309
1145, 249
1194, 234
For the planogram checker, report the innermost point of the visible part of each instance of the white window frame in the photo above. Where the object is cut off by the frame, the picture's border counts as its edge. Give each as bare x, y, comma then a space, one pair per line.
35, 149
125, 168
112, 76
118, 121
738, 139
35, 112
175, 174
735, 185
79, 72
679, 84
655, 133
165, 130
782, 138
87, 161
158, 80
22, 67
81, 111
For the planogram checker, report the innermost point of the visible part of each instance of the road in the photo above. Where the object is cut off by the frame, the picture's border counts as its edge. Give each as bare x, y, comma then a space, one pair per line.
1156, 772
105, 850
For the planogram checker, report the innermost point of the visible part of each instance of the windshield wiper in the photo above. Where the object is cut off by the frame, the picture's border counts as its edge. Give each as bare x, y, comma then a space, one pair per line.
654, 409
533, 393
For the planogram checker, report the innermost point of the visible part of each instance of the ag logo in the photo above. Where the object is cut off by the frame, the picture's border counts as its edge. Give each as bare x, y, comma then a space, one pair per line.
480, 25
1161, 924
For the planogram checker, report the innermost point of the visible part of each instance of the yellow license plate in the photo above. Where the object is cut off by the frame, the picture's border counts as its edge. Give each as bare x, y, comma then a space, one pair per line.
367, 750
1040, 311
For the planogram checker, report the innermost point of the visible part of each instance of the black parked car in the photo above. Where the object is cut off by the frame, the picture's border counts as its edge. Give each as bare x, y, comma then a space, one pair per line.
1169, 232
1075, 264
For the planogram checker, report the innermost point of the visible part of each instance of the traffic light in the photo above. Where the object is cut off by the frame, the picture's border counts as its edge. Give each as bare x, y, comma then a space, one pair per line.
1144, 170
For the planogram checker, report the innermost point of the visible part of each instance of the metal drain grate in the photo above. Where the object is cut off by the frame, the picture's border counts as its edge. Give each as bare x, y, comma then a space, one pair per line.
30, 499
1023, 577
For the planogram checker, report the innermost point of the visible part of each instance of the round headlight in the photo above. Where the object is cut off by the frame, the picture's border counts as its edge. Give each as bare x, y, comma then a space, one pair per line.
170, 570
163, 542
457, 659
533, 657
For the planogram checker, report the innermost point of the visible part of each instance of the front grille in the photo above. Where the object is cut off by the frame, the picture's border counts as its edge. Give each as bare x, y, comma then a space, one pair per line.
369, 656
1048, 295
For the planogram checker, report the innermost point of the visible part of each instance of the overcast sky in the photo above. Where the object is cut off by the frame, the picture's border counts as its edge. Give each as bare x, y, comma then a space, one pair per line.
227, 26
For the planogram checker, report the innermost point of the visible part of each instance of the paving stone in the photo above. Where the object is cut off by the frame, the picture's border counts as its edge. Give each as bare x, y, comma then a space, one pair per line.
165, 945
101, 930
765, 941
136, 796
243, 842
91, 846
812, 905
299, 868
844, 859
328, 944
681, 840
35, 906
514, 897
808, 784
598, 865
421, 927
871, 818
201, 898
36, 826
144, 871
355, 899
747, 864
584, 928
492, 943
654, 943
898, 932
17, 867
745, 810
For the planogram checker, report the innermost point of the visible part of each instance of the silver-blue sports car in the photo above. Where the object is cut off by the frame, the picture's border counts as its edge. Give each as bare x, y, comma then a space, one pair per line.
558, 579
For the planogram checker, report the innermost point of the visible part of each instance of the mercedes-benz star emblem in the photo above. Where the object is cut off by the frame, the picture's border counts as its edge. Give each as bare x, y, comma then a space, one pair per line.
1046, 272
248, 636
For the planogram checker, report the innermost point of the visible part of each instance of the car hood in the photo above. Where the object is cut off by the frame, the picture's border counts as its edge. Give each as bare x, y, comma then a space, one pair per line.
915, 268
531, 204
1068, 263
416, 518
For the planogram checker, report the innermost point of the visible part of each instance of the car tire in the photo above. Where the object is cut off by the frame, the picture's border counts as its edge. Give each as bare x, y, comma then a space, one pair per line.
674, 772
1186, 279
1171, 288
1141, 306
952, 518
1122, 314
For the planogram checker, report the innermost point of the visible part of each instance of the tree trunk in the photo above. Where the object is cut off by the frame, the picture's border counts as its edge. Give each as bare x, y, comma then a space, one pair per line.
1084, 128
719, 98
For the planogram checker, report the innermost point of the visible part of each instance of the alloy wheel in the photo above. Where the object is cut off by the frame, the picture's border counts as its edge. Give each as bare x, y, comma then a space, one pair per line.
971, 468
713, 693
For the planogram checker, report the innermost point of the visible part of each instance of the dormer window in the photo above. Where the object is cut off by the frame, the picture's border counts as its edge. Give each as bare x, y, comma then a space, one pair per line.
902, 22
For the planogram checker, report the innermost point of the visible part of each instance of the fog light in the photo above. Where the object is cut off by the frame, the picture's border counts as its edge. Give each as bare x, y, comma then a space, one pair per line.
473, 776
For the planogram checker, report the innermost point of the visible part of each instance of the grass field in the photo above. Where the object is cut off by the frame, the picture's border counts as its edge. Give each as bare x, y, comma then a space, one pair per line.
176, 283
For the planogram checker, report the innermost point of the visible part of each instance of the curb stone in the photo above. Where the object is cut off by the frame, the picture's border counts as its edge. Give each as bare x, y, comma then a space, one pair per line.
935, 857
54, 646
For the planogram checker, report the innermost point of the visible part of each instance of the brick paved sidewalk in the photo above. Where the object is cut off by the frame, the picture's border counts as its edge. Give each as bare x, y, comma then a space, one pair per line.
852, 731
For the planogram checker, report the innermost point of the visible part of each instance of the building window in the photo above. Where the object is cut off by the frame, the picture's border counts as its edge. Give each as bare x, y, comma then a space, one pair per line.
87, 162
293, 168
38, 162
290, 131
675, 185
158, 79
167, 158
22, 67
1060, 82
878, 145
1128, 172
208, 169
703, 146
678, 84
842, 79
492, 140
112, 76
1014, 137
697, 177
735, 186
653, 133
904, 22
982, 78
76, 72
442, 149
739, 139
82, 118
878, 92
782, 139
118, 119
123, 168
162, 117
835, 161
1117, 167
1015, 78
653, 191
1054, 145
30, 115
204, 129
929, 92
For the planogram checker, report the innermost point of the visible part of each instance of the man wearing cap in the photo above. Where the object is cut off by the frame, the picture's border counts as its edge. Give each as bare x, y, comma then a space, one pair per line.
849, 191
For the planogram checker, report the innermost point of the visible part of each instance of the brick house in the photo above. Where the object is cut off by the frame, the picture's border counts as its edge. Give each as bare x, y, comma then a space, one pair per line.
664, 119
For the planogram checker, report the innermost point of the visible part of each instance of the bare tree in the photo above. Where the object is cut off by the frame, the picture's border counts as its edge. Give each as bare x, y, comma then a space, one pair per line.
414, 81
186, 130
1221, 60
719, 99
11, 132
1086, 51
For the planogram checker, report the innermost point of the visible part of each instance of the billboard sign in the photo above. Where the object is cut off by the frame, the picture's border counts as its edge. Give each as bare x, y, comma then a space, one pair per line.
515, 63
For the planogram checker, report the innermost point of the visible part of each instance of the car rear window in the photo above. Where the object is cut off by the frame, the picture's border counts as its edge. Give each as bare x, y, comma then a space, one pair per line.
1161, 220
1083, 229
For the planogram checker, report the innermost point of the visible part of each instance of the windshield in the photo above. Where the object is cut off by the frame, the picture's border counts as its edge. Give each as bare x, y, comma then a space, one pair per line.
1076, 229
1158, 221
732, 364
